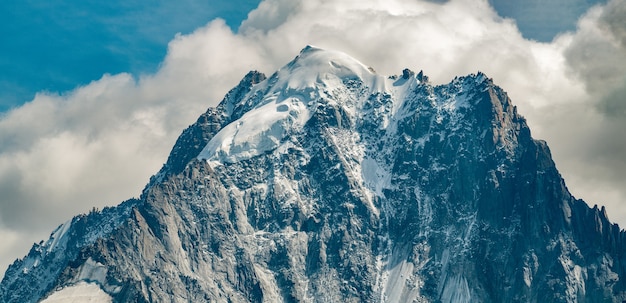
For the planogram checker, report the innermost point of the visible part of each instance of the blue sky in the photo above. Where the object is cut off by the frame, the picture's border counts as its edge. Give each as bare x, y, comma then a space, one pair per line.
543, 19
116, 86
57, 45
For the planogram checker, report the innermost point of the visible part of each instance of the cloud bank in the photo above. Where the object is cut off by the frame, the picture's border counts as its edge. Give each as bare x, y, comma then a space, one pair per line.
98, 144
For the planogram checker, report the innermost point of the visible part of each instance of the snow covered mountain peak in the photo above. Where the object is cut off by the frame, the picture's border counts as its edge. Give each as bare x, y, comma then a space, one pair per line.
328, 182
315, 66
282, 104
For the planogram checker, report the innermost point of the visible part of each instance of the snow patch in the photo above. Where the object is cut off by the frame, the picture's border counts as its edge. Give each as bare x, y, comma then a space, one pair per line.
425, 211
456, 290
317, 67
92, 271
375, 177
57, 236
81, 292
401, 286
528, 277
260, 130
291, 95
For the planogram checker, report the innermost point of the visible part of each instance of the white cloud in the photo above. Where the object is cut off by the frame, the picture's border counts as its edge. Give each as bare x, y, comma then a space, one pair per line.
98, 144
589, 141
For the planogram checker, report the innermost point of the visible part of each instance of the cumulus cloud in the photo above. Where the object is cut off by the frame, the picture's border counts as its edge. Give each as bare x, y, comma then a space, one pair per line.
98, 145
592, 145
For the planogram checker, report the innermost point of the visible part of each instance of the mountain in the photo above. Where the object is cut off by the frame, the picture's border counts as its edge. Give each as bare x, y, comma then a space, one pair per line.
329, 183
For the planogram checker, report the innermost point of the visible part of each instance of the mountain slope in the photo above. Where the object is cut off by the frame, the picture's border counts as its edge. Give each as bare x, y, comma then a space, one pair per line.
328, 182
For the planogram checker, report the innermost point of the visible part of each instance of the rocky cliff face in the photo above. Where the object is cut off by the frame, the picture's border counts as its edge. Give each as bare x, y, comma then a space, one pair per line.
328, 183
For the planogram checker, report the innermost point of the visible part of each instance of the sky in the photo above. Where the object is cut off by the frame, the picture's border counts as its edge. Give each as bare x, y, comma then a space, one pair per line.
57, 45
93, 95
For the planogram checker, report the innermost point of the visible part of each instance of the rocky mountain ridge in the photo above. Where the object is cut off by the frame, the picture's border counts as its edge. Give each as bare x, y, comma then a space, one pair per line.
328, 182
